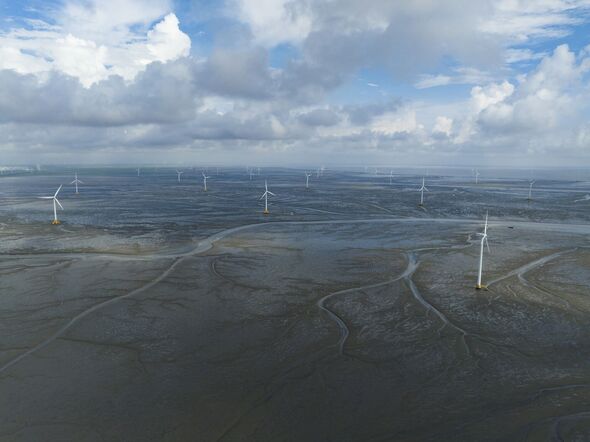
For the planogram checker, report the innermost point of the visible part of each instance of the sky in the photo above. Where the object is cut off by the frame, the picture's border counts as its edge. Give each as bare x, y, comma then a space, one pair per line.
295, 82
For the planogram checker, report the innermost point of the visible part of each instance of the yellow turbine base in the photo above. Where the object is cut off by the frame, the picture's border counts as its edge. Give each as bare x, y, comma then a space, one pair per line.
481, 287
55, 222
266, 212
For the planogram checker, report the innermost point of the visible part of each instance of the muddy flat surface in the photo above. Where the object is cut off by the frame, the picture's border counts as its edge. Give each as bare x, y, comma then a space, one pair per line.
156, 311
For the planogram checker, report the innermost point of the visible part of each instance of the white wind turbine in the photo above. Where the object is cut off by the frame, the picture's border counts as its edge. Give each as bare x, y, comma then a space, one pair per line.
391, 177
265, 196
55, 204
421, 190
138, 171
477, 176
484, 239
76, 182
307, 175
179, 172
251, 173
530, 198
205, 182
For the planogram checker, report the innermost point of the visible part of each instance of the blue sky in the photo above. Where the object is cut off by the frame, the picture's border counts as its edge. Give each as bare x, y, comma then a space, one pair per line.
295, 81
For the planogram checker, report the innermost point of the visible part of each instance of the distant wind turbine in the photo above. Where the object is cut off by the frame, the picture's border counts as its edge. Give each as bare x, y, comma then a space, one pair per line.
265, 196
421, 190
55, 204
477, 176
179, 172
484, 239
251, 173
530, 198
205, 182
76, 182
307, 175
138, 171
391, 177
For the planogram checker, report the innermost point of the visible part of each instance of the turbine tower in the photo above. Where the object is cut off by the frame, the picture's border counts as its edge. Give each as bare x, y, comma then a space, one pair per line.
138, 171
390, 177
477, 176
205, 182
307, 175
265, 196
484, 239
421, 190
179, 172
55, 204
530, 198
76, 182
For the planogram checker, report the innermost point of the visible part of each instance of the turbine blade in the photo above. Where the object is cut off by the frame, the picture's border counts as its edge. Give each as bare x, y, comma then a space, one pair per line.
57, 191
488, 245
45, 197
73, 182
58, 203
270, 193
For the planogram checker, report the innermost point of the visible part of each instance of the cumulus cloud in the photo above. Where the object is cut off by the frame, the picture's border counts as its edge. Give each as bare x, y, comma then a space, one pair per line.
94, 40
443, 125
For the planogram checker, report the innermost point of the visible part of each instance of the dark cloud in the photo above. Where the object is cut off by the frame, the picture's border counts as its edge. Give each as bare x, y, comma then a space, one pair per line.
162, 94
320, 117
364, 113
235, 73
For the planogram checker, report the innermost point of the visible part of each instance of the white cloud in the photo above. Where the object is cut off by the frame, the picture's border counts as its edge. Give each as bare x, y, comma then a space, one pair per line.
395, 122
95, 40
275, 21
460, 75
428, 81
482, 97
443, 125
166, 41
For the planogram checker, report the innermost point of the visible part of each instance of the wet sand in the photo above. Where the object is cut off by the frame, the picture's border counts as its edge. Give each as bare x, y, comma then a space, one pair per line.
332, 330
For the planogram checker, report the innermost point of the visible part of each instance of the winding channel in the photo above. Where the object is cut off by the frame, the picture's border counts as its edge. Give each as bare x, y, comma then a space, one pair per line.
207, 244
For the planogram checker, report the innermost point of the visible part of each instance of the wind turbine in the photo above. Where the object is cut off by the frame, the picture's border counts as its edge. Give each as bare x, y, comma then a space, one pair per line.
307, 175
391, 177
265, 196
484, 239
476, 176
251, 173
530, 198
55, 204
318, 173
179, 172
76, 182
138, 171
421, 190
205, 182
